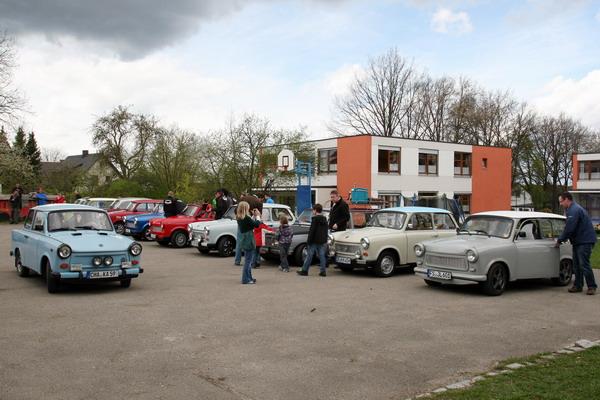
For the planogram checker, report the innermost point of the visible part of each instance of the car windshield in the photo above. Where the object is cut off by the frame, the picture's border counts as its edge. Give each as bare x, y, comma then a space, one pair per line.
387, 219
190, 211
158, 209
78, 220
306, 216
487, 225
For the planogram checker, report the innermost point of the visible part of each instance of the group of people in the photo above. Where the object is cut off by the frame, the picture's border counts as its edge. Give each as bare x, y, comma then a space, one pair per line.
16, 201
249, 221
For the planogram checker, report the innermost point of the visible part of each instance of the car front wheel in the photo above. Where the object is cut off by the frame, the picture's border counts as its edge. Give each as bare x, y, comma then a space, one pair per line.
386, 264
179, 239
52, 282
22, 270
226, 246
120, 228
497, 279
565, 273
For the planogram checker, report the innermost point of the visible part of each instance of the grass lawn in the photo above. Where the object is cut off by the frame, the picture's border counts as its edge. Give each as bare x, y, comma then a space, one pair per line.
567, 377
595, 259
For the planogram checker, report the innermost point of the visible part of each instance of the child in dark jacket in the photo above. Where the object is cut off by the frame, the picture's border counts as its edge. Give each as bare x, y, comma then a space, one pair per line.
284, 237
316, 242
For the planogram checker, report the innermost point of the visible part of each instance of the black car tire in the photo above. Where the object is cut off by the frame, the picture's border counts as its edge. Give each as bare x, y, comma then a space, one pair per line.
52, 282
226, 246
179, 239
22, 270
120, 228
565, 273
382, 269
497, 279
299, 254
125, 283
146, 234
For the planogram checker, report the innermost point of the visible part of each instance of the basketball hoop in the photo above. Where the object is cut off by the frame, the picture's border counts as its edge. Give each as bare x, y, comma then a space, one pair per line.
285, 160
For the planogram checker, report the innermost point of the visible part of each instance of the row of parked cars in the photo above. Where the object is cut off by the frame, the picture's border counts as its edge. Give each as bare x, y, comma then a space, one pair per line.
489, 248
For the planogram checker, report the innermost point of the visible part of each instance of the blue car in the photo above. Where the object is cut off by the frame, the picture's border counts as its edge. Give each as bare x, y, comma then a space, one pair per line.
74, 243
138, 226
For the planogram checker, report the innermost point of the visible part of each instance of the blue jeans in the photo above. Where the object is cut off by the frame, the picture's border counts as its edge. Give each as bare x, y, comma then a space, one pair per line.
238, 251
581, 265
319, 249
247, 269
283, 255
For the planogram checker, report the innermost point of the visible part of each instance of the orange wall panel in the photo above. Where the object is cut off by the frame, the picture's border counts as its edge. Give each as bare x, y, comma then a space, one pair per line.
492, 184
575, 171
354, 163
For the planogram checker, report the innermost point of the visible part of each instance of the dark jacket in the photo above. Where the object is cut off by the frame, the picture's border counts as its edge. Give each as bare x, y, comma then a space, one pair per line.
16, 197
221, 207
246, 227
579, 228
285, 234
170, 206
317, 233
340, 215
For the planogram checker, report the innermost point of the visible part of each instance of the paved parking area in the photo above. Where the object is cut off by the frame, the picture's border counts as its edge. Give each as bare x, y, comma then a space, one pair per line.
188, 330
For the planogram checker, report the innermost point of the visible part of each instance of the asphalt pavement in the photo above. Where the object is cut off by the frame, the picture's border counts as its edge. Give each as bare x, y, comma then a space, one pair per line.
187, 329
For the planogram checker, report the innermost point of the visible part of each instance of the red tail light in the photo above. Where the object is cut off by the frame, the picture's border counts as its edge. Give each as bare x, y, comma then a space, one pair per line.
135, 262
64, 266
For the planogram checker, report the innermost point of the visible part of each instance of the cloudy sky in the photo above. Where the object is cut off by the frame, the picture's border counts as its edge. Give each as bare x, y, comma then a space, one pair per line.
195, 63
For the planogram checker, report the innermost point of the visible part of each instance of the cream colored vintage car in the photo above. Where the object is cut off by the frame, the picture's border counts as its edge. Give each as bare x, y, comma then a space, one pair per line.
388, 239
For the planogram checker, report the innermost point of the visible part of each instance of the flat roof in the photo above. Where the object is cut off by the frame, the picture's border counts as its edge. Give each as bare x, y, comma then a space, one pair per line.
415, 209
520, 214
65, 206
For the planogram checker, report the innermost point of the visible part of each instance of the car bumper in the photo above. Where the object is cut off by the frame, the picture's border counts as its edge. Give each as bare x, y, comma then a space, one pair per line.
158, 236
354, 262
458, 277
82, 276
203, 245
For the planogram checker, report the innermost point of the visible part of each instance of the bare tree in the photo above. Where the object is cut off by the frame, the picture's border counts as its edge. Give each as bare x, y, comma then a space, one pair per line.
123, 139
11, 100
379, 101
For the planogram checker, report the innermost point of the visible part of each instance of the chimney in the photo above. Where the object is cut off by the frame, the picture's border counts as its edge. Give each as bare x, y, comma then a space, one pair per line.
85, 153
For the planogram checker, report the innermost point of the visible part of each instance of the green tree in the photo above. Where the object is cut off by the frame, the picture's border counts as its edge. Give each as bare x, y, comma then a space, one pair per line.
4, 144
33, 153
20, 141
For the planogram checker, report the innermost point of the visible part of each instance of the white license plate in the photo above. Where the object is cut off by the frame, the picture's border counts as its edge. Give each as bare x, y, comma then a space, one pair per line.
195, 242
103, 274
343, 260
439, 274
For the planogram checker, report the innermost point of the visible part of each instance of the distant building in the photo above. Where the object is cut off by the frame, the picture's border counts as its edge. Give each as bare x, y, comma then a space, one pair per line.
586, 183
93, 171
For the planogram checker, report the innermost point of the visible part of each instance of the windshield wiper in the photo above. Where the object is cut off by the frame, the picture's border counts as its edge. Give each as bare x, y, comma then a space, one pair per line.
62, 229
87, 227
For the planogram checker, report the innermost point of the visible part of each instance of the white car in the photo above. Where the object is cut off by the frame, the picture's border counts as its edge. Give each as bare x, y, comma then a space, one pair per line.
493, 248
221, 234
389, 237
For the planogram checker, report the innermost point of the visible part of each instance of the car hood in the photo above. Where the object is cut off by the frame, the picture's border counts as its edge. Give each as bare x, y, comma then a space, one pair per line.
90, 241
200, 225
461, 243
354, 235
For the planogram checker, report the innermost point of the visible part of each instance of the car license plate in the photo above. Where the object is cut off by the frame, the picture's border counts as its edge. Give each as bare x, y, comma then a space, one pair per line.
439, 274
343, 260
103, 274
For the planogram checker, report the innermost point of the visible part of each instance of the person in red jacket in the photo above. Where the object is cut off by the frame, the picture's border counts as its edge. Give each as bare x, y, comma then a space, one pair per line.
258, 238
59, 198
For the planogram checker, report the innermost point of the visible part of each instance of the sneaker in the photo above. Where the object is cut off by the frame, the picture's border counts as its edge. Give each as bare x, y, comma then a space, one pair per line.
591, 291
322, 273
575, 289
254, 280
301, 272
251, 282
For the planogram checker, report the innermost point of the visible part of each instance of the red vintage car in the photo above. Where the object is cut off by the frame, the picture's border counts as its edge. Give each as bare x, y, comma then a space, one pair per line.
136, 207
174, 229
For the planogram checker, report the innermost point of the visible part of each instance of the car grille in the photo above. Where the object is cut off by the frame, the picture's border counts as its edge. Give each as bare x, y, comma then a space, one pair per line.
269, 239
347, 248
457, 263
198, 235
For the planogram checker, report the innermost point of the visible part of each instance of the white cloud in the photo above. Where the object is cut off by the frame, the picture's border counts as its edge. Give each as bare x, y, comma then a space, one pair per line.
447, 21
579, 99
340, 80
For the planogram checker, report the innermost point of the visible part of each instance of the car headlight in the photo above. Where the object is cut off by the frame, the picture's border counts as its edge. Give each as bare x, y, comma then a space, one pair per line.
472, 256
330, 239
108, 261
135, 249
206, 232
97, 261
419, 249
365, 243
64, 251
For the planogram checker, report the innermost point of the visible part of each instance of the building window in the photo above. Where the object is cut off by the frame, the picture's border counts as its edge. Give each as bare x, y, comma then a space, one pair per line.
465, 202
484, 162
589, 170
428, 162
390, 200
328, 160
462, 164
389, 161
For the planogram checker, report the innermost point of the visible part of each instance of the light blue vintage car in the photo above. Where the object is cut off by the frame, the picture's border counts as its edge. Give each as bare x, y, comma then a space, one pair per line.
74, 243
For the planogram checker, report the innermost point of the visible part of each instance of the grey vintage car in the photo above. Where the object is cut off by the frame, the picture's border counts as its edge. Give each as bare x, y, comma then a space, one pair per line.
493, 248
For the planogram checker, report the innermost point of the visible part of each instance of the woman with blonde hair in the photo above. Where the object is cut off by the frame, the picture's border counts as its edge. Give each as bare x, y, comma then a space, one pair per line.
246, 226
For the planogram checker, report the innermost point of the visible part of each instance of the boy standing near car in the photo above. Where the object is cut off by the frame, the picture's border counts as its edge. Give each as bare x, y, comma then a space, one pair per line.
580, 231
316, 242
339, 214
15, 204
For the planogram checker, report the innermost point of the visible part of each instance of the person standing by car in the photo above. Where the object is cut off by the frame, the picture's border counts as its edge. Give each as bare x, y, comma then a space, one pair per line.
268, 199
580, 231
339, 214
246, 226
284, 237
40, 197
170, 205
221, 202
16, 197
316, 241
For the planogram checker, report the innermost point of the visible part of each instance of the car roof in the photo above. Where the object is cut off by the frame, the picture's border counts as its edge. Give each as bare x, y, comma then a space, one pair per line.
147, 201
101, 198
520, 214
410, 209
65, 207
